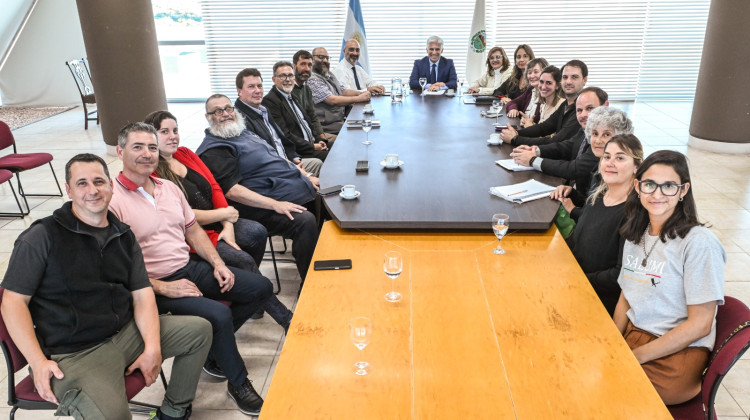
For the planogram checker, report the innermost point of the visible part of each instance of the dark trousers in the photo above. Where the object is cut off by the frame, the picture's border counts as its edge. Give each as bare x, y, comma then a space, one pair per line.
251, 237
303, 231
249, 294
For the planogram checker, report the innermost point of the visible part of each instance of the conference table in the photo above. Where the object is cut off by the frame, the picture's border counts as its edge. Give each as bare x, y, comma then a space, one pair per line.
475, 335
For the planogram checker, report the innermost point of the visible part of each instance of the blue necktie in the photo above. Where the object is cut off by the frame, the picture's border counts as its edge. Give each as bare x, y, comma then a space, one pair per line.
432, 75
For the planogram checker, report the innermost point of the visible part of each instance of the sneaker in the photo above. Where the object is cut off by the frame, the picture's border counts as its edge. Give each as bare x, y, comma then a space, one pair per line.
257, 315
248, 401
158, 415
212, 368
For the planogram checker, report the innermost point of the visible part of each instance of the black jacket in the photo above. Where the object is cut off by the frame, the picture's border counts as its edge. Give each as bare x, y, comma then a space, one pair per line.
283, 115
562, 123
561, 159
254, 122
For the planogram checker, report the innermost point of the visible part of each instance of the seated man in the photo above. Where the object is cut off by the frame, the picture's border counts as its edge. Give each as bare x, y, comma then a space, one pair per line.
302, 62
262, 185
439, 71
81, 327
562, 123
353, 76
331, 98
573, 158
257, 120
287, 112
164, 225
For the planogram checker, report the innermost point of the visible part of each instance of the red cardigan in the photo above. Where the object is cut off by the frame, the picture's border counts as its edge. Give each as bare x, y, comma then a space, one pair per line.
188, 158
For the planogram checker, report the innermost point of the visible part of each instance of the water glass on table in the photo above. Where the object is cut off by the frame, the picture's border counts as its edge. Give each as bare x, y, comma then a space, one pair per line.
360, 333
500, 224
393, 265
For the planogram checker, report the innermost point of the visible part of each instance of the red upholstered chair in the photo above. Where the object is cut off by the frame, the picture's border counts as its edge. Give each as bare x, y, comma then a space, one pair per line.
732, 340
6, 175
19, 162
24, 396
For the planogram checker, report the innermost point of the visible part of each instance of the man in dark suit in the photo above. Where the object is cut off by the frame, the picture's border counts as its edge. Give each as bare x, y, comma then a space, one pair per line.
287, 112
439, 71
259, 121
572, 158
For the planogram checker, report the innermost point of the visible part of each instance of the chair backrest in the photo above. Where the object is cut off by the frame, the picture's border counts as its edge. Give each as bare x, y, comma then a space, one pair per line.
6, 136
732, 340
82, 75
13, 356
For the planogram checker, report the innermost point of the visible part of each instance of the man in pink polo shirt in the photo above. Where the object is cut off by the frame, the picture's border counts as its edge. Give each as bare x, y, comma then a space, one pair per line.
165, 227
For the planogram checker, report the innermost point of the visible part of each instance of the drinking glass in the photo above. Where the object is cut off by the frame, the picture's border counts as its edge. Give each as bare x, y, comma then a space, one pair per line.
406, 89
422, 82
500, 227
392, 265
461, 87
497, 105
366, 127
360, 332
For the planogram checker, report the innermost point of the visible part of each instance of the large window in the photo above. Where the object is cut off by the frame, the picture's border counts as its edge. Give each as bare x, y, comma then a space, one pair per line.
634, 48
182, 48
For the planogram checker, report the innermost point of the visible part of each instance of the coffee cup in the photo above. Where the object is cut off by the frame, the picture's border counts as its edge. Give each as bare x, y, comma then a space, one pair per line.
495, 138
348, 191
391, 160
367, 108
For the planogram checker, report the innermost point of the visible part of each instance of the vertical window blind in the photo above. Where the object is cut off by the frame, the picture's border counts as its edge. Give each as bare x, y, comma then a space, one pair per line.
634, 49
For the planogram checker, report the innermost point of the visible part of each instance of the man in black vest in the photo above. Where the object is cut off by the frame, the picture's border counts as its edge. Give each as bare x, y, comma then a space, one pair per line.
79, 306
332, 100
287, 112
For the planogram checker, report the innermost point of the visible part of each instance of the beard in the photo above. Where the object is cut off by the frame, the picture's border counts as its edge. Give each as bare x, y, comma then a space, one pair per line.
321, 67
227, 129
287, 89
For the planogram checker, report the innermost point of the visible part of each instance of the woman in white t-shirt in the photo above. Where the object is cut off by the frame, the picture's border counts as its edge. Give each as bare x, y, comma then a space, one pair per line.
672, 279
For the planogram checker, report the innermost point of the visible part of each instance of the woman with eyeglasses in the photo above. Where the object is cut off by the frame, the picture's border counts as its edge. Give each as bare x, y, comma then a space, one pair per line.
498, 71
596, 241
672, 279
240, 242
516, 83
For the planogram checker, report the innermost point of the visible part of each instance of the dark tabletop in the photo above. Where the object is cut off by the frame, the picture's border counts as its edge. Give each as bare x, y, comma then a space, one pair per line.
447, 173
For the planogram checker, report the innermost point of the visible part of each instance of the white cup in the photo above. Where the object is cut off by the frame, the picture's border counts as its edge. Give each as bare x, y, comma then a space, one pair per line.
495, 138
391, 160
367, 108
348, 191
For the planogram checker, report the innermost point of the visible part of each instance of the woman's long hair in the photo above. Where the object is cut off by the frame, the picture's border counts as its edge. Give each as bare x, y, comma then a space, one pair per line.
633, 148
506, 62
685, 215
514, 80
162, 168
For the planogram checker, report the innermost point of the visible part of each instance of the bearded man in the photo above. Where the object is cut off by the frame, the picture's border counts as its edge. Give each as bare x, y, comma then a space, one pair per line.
332, 100
258, 182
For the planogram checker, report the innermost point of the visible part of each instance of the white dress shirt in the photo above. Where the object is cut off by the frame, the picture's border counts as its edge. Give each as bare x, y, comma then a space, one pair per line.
343, 72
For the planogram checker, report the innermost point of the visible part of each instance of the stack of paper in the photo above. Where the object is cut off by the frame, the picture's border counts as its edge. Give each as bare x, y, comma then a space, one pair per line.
511, 165
523, 192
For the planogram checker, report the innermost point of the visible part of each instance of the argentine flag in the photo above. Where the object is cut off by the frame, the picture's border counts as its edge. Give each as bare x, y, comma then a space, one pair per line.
355, 29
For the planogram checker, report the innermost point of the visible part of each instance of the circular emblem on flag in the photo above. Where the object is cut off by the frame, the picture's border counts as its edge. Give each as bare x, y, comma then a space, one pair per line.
479, 41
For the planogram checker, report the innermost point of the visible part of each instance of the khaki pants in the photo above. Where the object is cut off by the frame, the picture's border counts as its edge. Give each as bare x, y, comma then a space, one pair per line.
94, 385
677, 377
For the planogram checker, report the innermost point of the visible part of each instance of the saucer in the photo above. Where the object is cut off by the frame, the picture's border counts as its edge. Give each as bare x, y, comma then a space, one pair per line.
356, 194
368, 112
382, 163
492, 143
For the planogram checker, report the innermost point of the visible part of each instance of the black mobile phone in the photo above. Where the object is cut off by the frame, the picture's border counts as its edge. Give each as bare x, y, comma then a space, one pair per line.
332, 265
330, 190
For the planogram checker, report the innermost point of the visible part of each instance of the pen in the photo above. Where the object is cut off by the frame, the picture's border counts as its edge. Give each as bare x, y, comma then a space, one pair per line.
515, 193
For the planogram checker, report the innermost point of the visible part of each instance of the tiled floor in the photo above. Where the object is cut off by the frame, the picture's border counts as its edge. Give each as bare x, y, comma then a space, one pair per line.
720, 185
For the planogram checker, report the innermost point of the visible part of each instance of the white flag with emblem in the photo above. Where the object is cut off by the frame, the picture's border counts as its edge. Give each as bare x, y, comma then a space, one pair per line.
477, 48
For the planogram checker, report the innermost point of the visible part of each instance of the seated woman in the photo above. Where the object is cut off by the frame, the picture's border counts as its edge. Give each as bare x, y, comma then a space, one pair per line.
516, 83
603, 123
498, 71
239, 242
672, 279
551, 95
596, 241
527, 103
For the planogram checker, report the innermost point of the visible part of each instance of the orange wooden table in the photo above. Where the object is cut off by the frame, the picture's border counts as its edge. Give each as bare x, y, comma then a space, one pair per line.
476, 335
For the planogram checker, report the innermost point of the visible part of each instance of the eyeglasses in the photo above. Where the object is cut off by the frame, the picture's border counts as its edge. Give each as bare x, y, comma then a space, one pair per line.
220, 111
669, 189
496, 57
322, 57
285, 76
